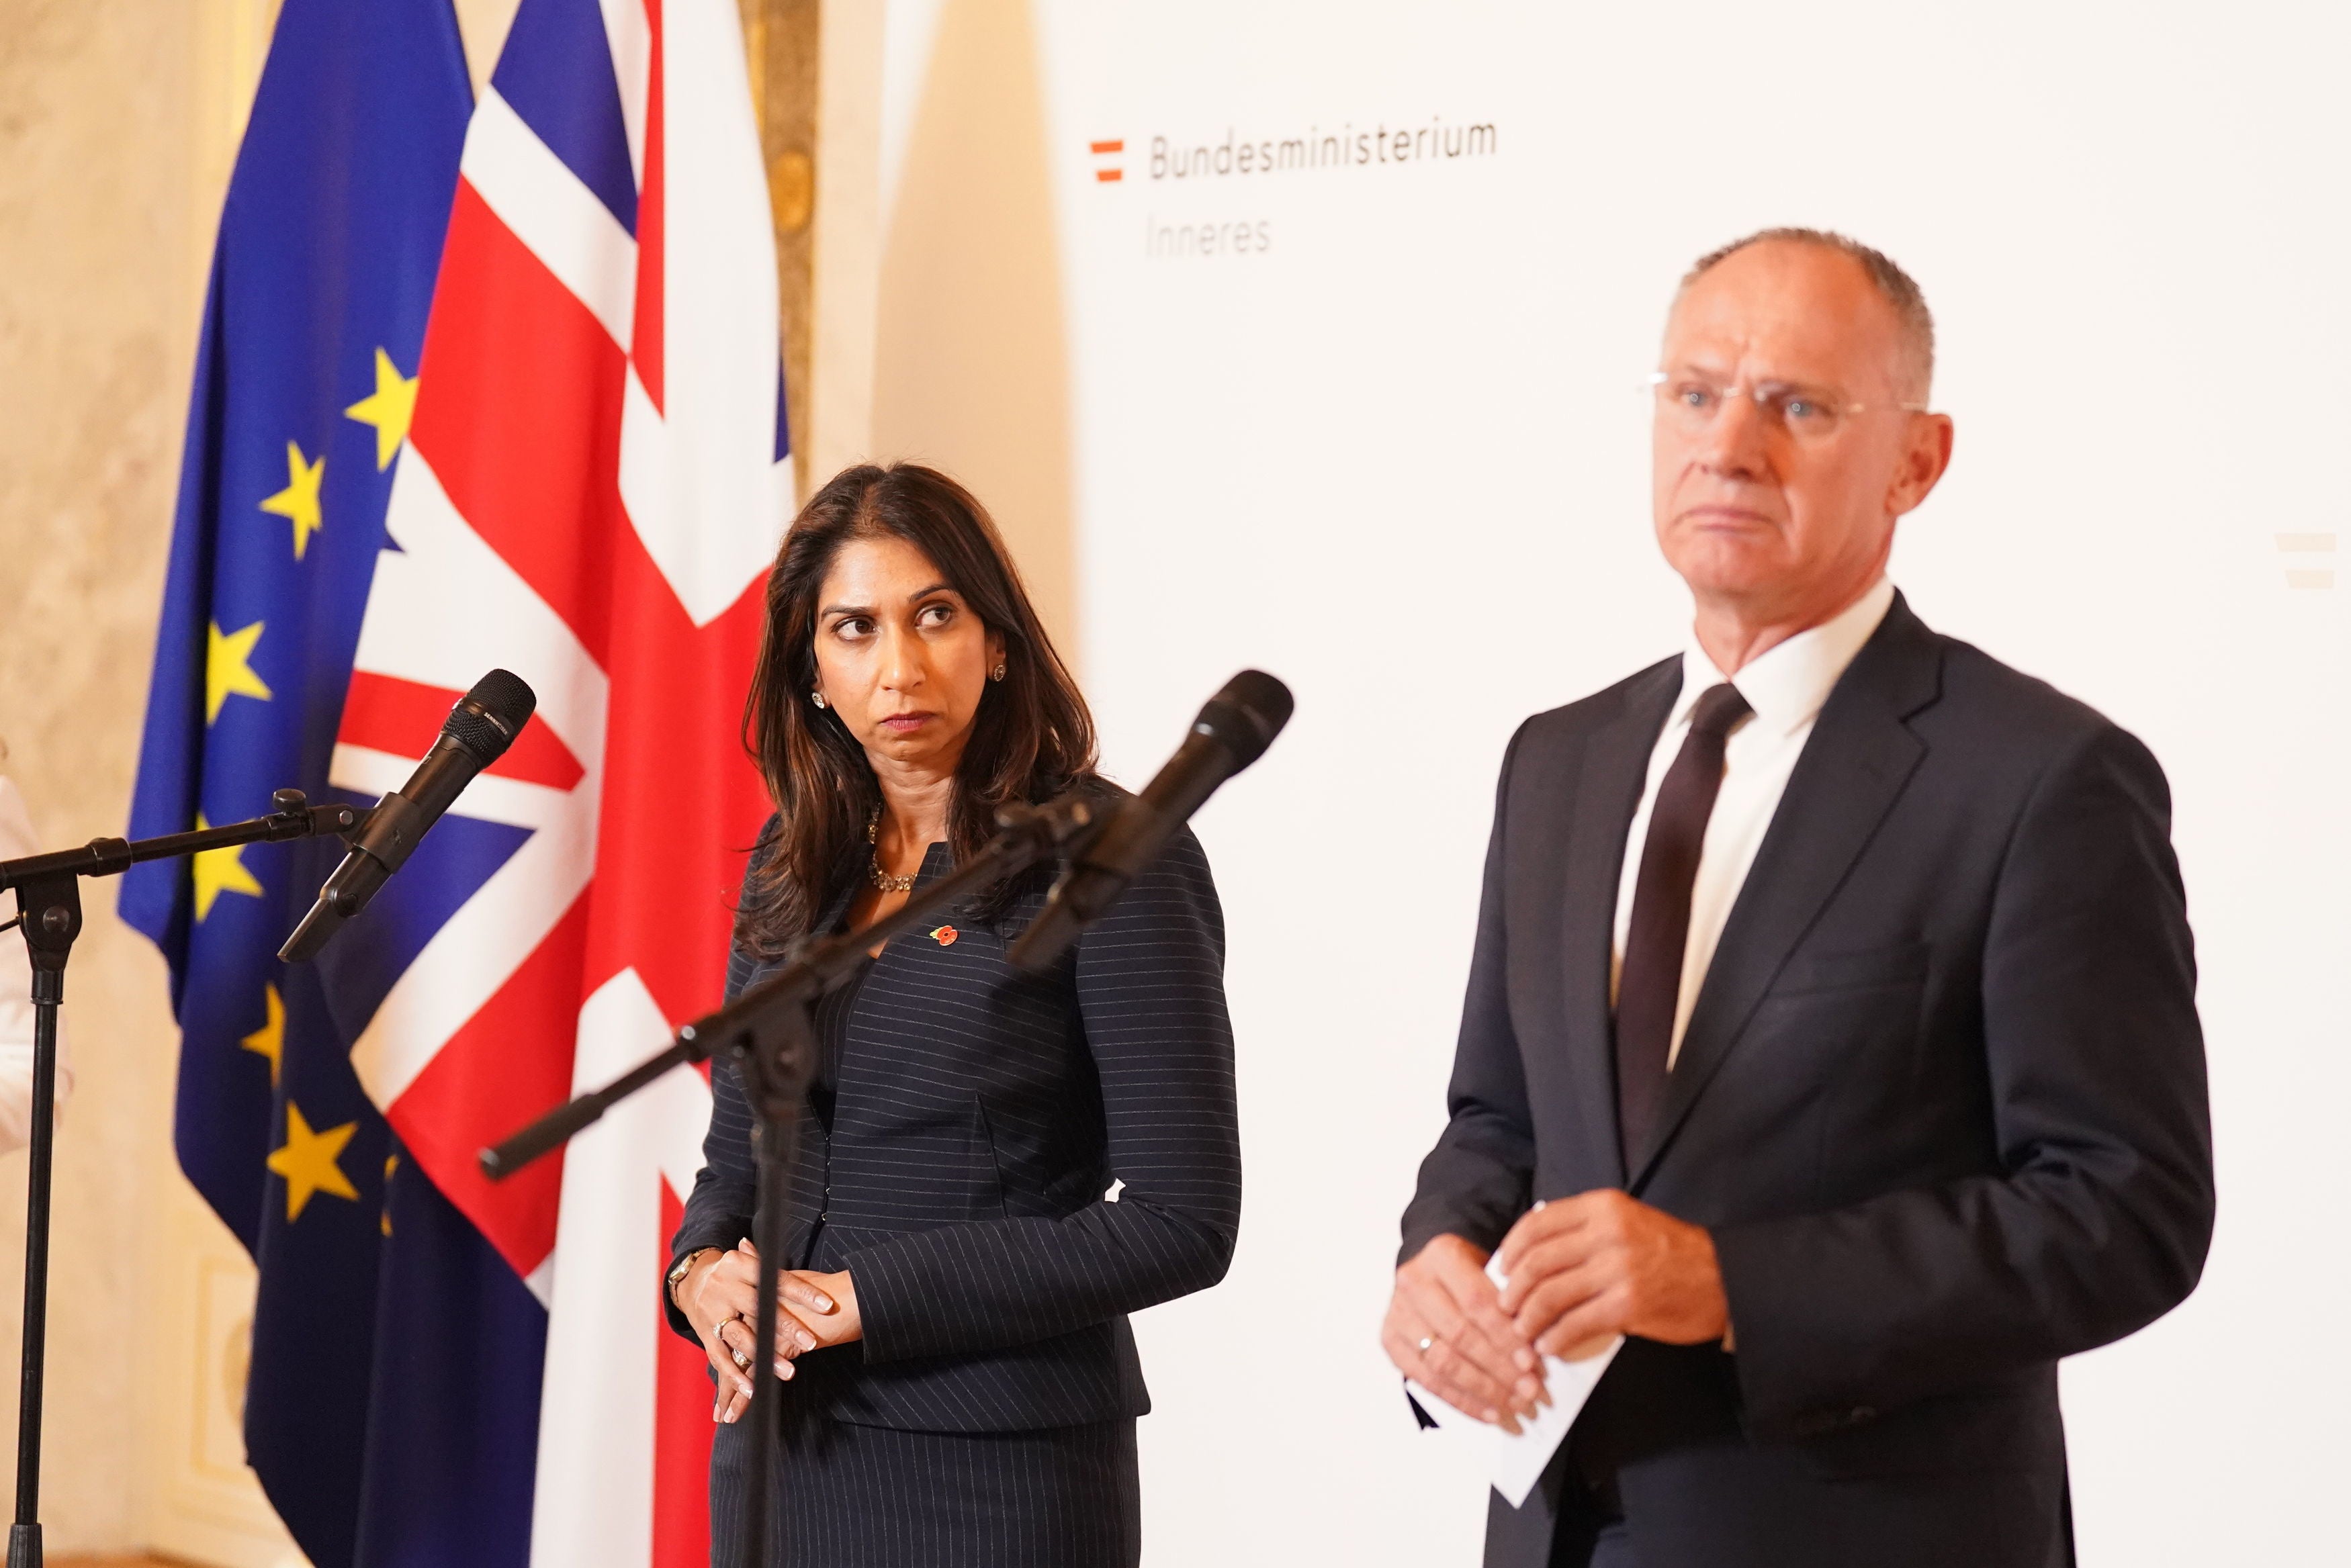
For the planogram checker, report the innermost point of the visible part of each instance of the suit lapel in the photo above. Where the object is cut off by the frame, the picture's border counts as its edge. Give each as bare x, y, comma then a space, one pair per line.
1860, 755
1616, 766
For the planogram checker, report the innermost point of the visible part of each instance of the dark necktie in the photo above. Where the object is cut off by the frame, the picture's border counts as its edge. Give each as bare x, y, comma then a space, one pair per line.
1649, 985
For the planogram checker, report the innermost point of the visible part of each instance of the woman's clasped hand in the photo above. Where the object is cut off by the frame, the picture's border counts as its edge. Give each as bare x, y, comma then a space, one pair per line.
718, 1296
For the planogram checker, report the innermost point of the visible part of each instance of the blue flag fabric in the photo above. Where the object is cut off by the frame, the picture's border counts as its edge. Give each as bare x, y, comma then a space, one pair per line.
392, 1407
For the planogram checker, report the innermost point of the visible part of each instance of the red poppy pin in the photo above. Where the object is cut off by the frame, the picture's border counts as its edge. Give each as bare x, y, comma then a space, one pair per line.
944, 936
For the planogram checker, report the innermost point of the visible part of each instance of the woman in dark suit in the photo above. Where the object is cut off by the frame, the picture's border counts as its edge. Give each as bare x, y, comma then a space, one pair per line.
963, 1385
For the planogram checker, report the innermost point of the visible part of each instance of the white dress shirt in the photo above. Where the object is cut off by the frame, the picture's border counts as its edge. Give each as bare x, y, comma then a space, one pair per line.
1786, 687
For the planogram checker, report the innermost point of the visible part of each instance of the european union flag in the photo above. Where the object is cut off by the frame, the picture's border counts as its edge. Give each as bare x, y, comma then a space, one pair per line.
321, 280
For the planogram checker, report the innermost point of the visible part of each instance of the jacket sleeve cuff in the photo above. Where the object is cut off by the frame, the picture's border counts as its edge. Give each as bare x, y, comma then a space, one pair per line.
719, 1233
1791, 1382
885, 1283
1481, 1225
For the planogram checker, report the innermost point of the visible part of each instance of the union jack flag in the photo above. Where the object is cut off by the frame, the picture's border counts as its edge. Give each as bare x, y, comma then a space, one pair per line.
594, 480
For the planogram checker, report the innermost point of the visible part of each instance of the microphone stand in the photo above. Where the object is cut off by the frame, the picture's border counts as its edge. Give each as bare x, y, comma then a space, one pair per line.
48, 908
769, 1033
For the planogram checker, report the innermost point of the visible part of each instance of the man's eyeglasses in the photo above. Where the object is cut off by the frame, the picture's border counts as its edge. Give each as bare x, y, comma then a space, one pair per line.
1692, 403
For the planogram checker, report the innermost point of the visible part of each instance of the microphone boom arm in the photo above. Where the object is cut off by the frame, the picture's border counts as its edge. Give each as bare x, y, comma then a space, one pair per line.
1029, 834
294, 817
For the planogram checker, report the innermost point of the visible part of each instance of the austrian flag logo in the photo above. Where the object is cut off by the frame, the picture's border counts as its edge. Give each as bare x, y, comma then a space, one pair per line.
1108, 168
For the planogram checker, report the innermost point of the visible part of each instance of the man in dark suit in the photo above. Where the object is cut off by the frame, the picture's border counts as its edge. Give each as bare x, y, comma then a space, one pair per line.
1831, 1029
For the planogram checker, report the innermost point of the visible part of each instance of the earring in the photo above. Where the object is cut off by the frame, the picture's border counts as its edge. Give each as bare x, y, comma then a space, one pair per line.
817, 698
996, 673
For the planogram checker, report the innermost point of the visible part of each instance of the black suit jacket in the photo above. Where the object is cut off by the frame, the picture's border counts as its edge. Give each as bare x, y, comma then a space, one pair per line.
979, 1118
1940, 1101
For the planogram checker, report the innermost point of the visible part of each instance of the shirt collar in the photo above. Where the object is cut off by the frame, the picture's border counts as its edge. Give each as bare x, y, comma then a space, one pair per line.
1788, 683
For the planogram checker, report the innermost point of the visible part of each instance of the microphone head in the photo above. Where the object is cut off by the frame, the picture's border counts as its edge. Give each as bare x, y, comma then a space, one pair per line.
486, 720
1245, 716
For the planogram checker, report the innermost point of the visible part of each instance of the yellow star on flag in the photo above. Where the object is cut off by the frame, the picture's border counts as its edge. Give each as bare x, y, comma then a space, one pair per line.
219, 871
391, 1164
298, 502
228, 670
389, 409
270, 1040
307, 1162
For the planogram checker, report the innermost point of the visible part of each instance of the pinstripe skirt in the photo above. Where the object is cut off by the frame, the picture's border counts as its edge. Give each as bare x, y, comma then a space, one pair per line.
873, 1497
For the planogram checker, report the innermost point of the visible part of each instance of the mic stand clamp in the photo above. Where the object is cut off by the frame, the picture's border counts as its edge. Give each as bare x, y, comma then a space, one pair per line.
48, 908
769, 1032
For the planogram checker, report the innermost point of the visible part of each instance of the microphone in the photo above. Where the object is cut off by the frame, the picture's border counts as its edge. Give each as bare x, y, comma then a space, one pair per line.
1233, 731
476, 734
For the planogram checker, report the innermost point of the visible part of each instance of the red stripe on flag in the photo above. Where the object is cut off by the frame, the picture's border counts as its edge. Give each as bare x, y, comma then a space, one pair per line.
523, 426
1107, 175
682, 1428
507, 1064
645, 345
1101, 147
386, 713
681, 802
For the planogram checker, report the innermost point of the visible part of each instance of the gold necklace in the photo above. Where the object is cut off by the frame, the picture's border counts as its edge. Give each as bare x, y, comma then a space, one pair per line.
882, 878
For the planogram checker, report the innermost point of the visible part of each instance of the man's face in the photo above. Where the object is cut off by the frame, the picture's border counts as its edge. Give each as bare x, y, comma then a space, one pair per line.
1784, 508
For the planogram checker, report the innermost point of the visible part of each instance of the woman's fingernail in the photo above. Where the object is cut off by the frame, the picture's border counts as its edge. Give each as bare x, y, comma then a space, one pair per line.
732, 1417
823, 1301
718, 1408
807, 1340
784, 1370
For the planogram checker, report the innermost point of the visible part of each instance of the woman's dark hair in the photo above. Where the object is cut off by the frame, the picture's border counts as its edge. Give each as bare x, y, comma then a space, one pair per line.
1031, 740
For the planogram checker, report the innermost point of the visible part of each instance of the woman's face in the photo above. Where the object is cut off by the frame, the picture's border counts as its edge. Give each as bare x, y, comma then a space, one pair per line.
900, 656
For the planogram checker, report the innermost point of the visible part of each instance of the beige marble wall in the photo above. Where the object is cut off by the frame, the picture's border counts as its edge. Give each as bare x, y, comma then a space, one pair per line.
100, 176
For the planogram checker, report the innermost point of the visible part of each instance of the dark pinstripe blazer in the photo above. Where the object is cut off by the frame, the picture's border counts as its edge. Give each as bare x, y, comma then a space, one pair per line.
980, 1117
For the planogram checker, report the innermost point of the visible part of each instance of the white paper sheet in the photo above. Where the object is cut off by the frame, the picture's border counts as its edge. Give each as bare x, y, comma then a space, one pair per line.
1513, 1464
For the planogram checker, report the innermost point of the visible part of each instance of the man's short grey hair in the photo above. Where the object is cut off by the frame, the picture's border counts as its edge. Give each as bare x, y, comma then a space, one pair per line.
1899, 289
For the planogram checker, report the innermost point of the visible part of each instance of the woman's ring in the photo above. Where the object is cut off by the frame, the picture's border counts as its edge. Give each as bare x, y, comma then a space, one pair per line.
741, 1360
1425, 1341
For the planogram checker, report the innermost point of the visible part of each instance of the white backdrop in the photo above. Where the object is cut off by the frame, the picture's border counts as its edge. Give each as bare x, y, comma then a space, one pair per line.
1390, 448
